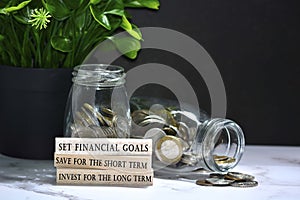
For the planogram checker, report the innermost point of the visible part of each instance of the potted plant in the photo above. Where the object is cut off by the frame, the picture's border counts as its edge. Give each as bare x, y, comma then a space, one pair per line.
40, 42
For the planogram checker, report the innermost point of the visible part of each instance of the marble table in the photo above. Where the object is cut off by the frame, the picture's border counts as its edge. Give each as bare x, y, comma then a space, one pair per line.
276, 168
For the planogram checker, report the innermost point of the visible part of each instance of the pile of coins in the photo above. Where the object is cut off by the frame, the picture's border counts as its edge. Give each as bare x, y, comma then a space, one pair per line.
172, 133
234, 179
90, 122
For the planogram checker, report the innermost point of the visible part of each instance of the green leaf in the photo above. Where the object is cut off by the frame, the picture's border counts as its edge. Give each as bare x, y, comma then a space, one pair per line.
57, 8
128, 46
152, 4
14, 8
95, 1
118, 12
126, 25
62, 44
73, 4
100, 17
80, 21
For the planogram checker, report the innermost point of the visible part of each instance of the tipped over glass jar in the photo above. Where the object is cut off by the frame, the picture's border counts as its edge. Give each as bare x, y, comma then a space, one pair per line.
184, 142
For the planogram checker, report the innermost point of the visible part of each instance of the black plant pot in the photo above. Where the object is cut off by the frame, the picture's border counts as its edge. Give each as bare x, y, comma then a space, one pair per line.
32, 104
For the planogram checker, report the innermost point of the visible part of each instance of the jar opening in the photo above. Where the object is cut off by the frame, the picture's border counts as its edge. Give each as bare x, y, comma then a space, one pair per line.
99, 75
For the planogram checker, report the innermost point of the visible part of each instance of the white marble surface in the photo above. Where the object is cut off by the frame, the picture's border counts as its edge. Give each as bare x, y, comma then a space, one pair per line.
277, 169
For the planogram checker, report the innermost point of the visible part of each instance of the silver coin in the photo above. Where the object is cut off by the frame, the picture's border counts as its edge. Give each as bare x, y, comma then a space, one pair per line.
121, 126
244, 184
237, 176
155, 134
151, 121
155, 117
183, 131
109, 132
219, 181
189, 159
189, 118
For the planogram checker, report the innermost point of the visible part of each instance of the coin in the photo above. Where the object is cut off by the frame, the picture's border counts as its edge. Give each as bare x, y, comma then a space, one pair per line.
203, 182
244, 184
81, 119
155, 134
239, 176
219, 181
220, 158
169, 149
183, 131
170, 130
217, 175
89, 117
100, 117
109, 132
224, 162
107, 112
139, 115
151, 121
155, 117
121, 126
189, 159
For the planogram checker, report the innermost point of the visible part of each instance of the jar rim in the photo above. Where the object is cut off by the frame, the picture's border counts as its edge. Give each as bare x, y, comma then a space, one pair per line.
99, 68
99, 75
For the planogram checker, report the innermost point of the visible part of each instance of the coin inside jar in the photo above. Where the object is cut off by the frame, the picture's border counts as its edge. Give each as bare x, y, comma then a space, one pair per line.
155, 134
169, 150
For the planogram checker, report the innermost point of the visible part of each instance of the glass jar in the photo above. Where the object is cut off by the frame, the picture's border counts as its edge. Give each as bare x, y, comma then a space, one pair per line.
184, 142
98, 105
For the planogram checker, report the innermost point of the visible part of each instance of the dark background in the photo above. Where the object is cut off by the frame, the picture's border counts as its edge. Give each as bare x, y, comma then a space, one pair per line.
255, 45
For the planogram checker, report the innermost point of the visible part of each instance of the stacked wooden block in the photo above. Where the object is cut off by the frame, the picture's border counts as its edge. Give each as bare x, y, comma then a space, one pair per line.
103, 161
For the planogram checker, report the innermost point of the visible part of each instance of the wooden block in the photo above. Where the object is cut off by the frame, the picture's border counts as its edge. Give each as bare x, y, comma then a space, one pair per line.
90, 161
103, 146
69, 176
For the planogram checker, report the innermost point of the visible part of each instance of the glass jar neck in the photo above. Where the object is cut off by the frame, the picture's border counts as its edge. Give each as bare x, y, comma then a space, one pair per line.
99, 75
219, 144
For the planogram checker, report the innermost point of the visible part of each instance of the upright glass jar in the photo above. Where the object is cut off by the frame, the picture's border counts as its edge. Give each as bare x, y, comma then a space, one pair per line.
98, 103
184, 142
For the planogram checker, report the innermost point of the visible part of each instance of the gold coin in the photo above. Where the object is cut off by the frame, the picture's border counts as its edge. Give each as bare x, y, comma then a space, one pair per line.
169, 150
228, 161
220, 158
203, 182
107, 112
102, 120
170, 130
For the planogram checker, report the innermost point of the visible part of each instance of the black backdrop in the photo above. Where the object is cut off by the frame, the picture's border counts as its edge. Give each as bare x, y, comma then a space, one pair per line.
255, 45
